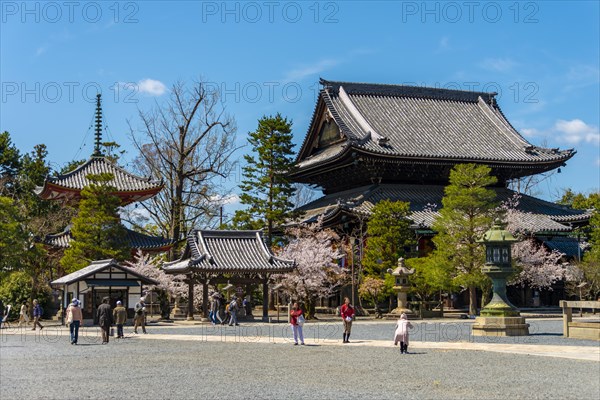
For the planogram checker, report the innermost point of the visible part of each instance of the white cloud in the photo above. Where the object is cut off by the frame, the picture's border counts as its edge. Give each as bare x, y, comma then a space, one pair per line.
443, 45
40, 50
151, 87
530, 132
576, 131
227, 199
304, 71
498, 64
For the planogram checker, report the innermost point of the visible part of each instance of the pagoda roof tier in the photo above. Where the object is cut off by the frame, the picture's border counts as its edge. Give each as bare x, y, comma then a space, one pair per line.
129, 187
227, 252
364, 132
535, 215
136, 240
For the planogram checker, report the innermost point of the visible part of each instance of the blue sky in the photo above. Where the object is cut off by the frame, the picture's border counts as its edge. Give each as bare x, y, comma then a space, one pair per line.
542, 57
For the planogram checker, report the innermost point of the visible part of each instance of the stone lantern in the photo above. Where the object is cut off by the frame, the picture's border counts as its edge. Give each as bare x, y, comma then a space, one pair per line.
499, 317
401, 287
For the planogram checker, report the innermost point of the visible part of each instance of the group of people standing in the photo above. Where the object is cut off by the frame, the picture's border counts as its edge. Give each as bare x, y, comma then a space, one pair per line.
107, 317
347, 312
231, 310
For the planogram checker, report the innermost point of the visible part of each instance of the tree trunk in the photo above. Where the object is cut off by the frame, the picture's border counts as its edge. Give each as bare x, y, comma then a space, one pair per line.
472, 300
309, 313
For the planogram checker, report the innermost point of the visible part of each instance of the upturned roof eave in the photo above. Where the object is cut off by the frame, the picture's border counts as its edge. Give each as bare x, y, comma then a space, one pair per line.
565, 155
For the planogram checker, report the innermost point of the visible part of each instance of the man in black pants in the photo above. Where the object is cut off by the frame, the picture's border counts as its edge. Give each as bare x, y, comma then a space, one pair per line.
105, 319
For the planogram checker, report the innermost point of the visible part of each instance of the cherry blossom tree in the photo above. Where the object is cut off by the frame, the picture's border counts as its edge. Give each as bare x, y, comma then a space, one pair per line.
173, 285
539, 267
317, 274
373, 289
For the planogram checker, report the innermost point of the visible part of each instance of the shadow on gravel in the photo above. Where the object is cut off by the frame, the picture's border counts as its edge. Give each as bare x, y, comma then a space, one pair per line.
547, 334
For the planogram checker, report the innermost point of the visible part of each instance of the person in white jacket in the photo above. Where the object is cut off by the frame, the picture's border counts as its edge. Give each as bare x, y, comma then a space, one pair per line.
401, 334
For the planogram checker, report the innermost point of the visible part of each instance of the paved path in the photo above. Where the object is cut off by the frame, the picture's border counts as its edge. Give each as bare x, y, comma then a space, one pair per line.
326, 334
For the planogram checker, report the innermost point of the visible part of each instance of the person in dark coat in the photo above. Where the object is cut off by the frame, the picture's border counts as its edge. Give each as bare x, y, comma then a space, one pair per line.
105, 319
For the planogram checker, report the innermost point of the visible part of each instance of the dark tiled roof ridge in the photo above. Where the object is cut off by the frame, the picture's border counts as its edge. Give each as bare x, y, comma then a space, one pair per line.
386, 89
135, 239
150, 181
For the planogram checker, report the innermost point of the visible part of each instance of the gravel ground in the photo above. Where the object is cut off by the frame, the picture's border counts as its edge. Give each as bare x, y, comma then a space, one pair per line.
48, 367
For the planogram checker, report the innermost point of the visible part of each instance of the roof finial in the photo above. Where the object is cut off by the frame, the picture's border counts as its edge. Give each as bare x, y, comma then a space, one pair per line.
98, 139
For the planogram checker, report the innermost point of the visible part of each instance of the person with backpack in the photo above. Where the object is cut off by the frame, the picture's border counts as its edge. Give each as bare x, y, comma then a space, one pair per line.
233, 309
74, 320
37, 315
297, 321
140, 316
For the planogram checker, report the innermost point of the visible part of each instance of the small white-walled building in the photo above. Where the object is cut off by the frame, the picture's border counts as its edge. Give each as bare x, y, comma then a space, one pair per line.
102, 278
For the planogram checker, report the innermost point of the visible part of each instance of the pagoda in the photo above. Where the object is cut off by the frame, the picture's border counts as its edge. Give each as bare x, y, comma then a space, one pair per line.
371, 142
130, 188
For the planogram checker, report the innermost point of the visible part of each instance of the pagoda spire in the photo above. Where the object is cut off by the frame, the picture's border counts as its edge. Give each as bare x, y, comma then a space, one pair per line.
98, 135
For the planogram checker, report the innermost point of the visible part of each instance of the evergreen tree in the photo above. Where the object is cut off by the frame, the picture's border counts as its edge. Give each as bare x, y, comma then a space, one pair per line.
388, 237
467, 212
97, 230
266, 189
14, 237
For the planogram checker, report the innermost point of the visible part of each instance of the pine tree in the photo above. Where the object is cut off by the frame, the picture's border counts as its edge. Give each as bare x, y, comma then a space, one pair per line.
467, 212
266, 189
388, 237
97, 230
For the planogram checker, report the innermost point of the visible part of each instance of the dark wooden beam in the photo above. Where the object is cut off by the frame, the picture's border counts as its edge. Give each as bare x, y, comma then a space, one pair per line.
190, 310
265, 307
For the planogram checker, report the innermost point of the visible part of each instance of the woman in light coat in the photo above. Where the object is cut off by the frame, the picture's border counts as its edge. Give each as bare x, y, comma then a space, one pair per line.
24, 314
401, 334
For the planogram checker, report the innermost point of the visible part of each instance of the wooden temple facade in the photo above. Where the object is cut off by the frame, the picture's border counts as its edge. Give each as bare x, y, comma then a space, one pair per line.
102, 278
240, 258
370, 142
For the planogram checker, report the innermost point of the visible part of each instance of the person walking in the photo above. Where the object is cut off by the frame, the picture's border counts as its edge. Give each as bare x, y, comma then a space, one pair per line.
297, 321
23, 314
120, 317
140, 316
105, 319
347, 313
401, 334
215, 308
74, 320
1, 313
37, 314
233, 309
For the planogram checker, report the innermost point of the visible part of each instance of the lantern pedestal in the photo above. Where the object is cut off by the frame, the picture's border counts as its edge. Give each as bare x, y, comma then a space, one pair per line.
499, 317
401, 295
401, 287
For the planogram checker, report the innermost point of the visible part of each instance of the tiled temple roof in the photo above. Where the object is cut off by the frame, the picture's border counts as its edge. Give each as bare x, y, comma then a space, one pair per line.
128, 186
227, 252
536, 215
97, 266
421, 124
136, 240
569, 246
